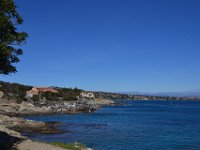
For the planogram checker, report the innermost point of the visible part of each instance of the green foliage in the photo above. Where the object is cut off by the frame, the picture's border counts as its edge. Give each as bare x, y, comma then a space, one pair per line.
69, 146
69, 94
10, 38
18, 92
14, 91
35, 98
51, 96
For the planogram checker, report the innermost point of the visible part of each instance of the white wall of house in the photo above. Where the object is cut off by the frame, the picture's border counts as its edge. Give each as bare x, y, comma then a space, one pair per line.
87, 95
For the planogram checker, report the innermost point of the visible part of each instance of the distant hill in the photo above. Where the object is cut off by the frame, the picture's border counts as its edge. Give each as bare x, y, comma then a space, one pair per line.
181, 94
195, 93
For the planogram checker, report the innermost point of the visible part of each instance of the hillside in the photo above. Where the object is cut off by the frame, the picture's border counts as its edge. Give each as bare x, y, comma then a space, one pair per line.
18, 93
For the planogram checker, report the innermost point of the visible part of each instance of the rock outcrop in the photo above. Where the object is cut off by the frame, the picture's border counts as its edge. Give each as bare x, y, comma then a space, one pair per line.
28, 126
52, 107
7, 141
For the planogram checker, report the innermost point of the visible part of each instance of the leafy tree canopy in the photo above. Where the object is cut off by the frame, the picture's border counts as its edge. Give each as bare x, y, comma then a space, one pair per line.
10, 38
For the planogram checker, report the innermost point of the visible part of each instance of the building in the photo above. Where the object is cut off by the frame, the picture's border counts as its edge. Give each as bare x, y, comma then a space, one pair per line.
37, 90
89, 95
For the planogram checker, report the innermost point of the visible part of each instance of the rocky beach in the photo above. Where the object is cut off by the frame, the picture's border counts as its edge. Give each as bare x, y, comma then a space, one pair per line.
17, 101
12, 125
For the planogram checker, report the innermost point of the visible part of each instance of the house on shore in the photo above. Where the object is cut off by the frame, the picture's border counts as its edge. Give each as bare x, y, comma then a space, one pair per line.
37, 90
88, 95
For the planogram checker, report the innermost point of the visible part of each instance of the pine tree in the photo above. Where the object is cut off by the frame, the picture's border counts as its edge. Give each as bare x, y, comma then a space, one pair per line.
10, 38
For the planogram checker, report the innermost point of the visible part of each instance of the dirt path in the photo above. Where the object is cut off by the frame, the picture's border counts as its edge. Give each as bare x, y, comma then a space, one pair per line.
30, 145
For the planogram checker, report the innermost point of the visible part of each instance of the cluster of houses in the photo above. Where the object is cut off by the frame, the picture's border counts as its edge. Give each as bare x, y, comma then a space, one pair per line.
37, 90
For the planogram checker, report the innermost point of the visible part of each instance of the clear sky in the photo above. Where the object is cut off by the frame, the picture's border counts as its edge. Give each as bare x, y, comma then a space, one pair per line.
111, 45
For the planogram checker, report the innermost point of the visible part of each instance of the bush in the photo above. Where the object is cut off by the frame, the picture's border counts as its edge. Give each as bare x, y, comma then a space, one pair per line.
69, 94
51, 96
14, 91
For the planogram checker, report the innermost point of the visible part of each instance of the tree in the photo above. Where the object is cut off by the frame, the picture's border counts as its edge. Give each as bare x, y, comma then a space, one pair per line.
10, 38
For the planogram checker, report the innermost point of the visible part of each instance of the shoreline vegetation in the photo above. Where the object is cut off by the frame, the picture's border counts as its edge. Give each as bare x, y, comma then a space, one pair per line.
19, 100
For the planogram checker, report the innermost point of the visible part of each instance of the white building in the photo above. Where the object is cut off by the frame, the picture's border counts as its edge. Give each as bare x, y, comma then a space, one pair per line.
87, 95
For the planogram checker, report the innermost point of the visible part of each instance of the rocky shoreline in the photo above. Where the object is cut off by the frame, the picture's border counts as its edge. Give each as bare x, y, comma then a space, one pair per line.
52, 107
11, 126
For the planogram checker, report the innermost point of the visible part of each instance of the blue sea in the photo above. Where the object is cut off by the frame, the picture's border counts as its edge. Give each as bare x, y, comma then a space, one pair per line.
137, 125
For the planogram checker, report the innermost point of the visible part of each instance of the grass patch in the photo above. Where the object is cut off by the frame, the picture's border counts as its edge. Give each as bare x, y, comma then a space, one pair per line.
69, 146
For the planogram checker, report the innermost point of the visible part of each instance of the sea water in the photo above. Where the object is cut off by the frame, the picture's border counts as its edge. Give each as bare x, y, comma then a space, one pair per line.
136, 125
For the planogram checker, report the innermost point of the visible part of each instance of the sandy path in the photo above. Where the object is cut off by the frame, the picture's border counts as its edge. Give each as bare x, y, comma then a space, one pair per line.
30, 145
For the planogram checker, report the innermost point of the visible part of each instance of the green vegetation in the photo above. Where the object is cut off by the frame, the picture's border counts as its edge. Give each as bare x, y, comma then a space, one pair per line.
51, 96
14, 91
69, 146
66, 94
35, 98
69, 93
10, 38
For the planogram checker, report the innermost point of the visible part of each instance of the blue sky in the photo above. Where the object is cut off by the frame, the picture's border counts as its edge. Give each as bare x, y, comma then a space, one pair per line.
111, 45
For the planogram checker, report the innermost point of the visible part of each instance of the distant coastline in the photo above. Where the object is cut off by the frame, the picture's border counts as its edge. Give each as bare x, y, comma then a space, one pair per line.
113, 96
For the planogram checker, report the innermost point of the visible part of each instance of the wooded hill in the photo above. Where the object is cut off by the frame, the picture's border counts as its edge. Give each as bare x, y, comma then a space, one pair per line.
15, 91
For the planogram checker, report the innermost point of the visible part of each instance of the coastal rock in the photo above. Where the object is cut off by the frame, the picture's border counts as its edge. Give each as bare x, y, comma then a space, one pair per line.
11, 132
31, 145
104, 102
25, 108
23, 125
7, 141
52, 107
8, 138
